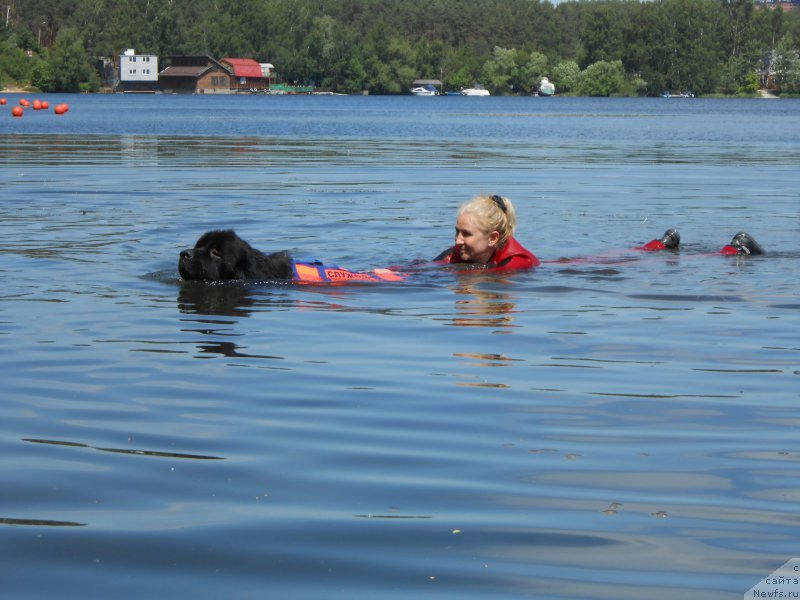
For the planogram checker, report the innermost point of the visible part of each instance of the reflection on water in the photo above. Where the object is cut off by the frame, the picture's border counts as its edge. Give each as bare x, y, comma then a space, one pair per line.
386, 440
479, 307
230, 350
144, 151
233, 300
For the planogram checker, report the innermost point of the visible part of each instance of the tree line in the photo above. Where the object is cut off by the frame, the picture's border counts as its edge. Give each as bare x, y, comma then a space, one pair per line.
595, 48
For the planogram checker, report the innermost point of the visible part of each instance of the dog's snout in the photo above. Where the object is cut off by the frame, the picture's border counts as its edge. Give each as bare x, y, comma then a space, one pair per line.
186, 254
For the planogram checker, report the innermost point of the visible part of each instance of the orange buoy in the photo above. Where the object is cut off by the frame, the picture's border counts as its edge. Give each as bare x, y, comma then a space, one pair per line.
66, 107
24, 102
17, 111
45, 105
59, 109
3, 101
37, 105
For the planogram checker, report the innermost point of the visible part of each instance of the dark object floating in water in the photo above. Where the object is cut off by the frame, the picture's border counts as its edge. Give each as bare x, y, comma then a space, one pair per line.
40, 522
124, 450
393, 516
745, 243
671, 239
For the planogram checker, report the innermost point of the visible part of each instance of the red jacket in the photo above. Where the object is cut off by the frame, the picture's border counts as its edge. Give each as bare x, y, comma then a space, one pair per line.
511, 256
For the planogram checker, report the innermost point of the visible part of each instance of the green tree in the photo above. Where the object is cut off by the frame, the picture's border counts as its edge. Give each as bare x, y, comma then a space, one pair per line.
42, 76
430, 58
14, 61
26, 40
733, 73
737, 26
329, 52
703, 45
602, 32
463, 78
531, 73
750, 85
462, 68
566, 76
71, 69
684, 47
500, 71
602, 78
786, 65
354, 77
389, 62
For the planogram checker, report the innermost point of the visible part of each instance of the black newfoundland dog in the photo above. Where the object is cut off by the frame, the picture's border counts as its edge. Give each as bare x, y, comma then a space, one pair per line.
224, 256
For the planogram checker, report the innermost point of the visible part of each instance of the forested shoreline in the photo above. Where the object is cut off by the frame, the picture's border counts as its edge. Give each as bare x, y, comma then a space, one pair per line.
606, 48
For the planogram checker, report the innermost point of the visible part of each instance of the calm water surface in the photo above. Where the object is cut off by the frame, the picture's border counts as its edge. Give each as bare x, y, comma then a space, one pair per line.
618, 427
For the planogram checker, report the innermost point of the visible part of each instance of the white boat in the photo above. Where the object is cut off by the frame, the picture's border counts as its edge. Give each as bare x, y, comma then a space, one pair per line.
476, 90
546, 87
425, 90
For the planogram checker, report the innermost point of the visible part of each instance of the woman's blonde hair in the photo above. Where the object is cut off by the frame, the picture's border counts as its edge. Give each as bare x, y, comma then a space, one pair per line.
493, 213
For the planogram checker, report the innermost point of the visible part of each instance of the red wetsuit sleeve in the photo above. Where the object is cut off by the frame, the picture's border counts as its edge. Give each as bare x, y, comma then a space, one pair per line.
653, 245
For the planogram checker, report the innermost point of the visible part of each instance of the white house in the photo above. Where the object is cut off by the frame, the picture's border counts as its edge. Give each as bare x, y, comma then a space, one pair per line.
138, 72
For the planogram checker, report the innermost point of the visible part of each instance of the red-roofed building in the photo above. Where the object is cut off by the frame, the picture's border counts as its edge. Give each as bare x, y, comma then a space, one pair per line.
248, 76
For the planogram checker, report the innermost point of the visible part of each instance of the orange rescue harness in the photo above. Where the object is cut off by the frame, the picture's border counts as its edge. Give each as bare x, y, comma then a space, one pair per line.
315, 272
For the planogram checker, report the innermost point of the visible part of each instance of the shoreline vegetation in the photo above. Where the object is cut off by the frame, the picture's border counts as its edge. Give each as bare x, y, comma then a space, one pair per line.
759, 94
732, 48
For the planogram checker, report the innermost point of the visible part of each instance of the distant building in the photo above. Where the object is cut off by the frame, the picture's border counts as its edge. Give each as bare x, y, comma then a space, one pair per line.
268, 70
138, 72
773, 4
248, 75
195, 75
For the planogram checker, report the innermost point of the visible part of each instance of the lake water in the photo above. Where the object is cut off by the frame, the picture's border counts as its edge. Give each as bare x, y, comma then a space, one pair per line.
622, 427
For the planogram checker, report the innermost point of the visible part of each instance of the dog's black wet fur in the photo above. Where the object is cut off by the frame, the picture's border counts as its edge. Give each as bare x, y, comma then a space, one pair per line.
224, 256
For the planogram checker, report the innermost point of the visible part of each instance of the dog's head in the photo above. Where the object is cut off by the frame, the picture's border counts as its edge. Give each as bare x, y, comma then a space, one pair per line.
217, 256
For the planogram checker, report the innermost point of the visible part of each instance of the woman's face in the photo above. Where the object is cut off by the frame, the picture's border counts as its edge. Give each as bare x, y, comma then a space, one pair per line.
472, 243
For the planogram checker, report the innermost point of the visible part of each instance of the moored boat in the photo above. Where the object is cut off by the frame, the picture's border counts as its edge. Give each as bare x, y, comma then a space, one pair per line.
425, 90
546, 87
476, 90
